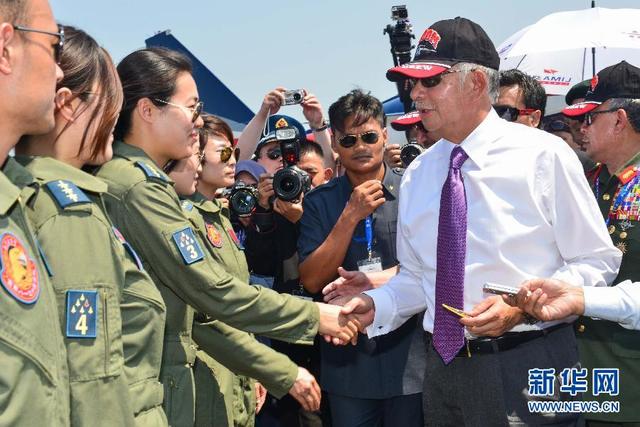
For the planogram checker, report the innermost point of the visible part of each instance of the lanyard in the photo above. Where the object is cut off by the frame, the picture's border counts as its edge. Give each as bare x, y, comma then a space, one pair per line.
368, 232
623, 192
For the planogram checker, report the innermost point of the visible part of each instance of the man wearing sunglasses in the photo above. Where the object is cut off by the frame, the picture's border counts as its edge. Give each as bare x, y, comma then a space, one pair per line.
350, 222
32, 354
611, 129
492, 201
521, 98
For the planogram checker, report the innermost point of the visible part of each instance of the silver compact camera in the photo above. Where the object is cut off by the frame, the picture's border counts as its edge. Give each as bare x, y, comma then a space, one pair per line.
292, 97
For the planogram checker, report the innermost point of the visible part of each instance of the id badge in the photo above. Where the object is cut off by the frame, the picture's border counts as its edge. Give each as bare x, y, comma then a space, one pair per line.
371, 265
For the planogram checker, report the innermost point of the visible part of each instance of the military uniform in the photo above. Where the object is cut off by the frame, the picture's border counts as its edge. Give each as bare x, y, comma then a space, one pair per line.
142, 202
605, 344
34, 377
90, 270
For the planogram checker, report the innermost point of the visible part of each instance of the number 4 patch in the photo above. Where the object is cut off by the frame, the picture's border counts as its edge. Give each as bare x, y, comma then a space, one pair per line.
82, 313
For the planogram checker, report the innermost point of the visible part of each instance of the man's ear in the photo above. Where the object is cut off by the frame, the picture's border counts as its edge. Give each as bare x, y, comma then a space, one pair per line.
535, 118
64, 104
622, 121
328, 174
479, 83
146, 110
7, 47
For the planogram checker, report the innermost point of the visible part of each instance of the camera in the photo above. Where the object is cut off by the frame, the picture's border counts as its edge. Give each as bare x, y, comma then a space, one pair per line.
399, 12
243, 198
292, 97
401, 40
289, 183
409, 152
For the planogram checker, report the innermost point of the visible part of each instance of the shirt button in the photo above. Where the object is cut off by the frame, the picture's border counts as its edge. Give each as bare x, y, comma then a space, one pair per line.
623, 235
580, 328
606, 197
612, 229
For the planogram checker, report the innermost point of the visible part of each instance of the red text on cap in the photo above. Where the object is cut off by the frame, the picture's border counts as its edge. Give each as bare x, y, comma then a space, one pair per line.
432, 37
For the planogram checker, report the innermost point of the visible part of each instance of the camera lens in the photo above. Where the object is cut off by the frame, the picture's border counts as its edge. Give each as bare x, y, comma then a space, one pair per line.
409, 152
287, 184
243, 202
297, 97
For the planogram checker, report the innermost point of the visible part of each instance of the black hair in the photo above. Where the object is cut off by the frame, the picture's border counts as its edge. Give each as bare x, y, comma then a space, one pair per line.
359, 105
533, 94
148, 73
311, 147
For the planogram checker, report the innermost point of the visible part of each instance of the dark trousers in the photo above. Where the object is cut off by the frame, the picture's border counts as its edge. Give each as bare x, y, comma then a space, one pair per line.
492, 389
405, 411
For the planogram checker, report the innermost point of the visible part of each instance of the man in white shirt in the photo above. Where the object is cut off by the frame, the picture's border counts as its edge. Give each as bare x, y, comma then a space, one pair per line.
550, 299
514, 205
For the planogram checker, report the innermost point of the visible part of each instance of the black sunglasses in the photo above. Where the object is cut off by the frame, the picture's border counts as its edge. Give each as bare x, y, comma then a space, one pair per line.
57, 48
557, 126
588, 117
274, 154
430, 81
369, 137
511, 114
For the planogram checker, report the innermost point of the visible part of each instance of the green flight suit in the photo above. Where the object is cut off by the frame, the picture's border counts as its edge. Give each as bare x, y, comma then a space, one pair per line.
142, 202
86, 255
225, 352
605, 344
33, 376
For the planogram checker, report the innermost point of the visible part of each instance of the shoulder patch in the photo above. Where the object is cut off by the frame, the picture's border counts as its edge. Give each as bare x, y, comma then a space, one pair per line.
150, 171
128, 248
66, 193
186, 205
187, 245
19, 274
82, 313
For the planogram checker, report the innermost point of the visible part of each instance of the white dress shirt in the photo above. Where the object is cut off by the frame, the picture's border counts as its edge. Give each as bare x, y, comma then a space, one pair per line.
530, 214
620, 303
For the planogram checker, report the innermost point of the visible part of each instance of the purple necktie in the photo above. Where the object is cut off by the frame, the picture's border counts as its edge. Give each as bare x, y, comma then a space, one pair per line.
448, 333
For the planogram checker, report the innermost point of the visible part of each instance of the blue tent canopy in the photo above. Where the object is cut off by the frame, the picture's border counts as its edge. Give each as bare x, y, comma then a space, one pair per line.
393, 106
217, 97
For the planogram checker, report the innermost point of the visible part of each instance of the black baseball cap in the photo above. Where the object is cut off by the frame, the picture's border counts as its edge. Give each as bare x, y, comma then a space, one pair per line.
579, 90
445, 44
621, 80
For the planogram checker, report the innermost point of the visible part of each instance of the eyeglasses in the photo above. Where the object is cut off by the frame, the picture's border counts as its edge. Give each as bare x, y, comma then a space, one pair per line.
588, 117
369, 137
511, 114
195, 111
225, 154
57, 48
557, 126
274, 154
429, 82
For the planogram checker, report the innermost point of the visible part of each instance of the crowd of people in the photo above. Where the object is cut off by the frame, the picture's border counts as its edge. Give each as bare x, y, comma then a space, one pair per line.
154, 274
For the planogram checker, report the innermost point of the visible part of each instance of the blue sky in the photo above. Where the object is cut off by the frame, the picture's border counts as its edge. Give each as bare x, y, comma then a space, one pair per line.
328, 47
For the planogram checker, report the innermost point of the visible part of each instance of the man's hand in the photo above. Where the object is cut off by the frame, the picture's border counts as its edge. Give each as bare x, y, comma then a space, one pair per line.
363, 308
492, 317
265, 190
337, 327
306, 390
392, 155
549, 299
312, 110
261, 396
365, 199
350, 283
291, 211
272, 101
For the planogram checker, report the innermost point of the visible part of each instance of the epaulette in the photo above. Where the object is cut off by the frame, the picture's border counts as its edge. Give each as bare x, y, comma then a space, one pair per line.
150, 171
186, 205
66, 193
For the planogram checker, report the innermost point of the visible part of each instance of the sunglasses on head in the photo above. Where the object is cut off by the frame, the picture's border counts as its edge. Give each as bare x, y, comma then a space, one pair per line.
429, 82
588, 117
369, 137
57, 48
274, 154
511, 114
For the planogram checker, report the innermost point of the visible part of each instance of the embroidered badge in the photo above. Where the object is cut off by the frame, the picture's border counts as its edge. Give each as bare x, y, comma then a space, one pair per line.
431, 36
235, 239
188, 246
186, 205
625, 225
66, 193
213, 235
150, 171
82, 313
282, 123
622, 246
128, 248
19, 274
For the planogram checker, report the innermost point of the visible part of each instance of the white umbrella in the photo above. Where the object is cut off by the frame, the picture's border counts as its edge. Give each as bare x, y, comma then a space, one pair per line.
557, 50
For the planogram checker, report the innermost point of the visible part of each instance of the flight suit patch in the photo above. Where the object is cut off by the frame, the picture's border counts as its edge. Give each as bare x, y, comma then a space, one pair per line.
214, 236
82, 313
19, 274
235, 239
188, 246
66, 193
186, 205
150, 171
128, 248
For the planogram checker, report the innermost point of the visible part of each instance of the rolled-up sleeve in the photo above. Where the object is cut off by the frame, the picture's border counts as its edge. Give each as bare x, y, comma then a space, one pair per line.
620, 303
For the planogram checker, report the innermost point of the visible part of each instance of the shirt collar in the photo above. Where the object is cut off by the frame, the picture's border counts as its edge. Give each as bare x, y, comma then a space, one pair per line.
14, 180
633, 161
204, 204
133, 153
49, 169
477, 144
